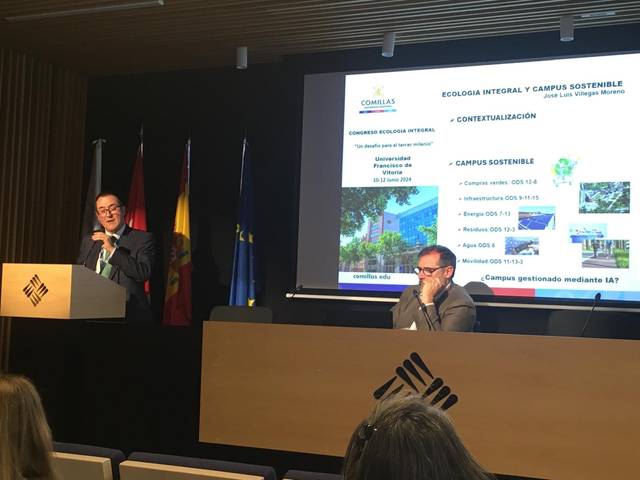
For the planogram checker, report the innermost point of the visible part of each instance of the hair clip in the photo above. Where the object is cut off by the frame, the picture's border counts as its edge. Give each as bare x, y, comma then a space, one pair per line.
365, 434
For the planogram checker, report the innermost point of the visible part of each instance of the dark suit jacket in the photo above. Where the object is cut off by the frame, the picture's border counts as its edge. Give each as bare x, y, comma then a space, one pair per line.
131, 264
453, 310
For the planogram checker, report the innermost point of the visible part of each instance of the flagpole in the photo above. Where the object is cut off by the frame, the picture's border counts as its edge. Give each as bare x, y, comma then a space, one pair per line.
244, 149
89, 219
243, 274
98, 155
188, 183
141, 135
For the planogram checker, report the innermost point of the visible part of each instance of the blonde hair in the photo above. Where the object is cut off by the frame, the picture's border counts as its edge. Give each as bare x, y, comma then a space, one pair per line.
405, 438
25, 437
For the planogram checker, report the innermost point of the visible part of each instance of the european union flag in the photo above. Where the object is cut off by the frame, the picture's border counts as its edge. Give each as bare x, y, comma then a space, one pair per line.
243, 280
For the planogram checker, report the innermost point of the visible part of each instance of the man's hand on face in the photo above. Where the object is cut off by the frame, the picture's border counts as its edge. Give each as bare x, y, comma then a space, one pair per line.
107, 243
430, 288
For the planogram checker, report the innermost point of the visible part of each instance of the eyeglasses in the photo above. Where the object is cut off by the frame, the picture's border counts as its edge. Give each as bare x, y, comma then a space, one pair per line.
111, 209
429, 270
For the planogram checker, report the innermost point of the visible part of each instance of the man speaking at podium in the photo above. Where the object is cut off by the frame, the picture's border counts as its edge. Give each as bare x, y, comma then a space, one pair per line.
436, 303
122, 254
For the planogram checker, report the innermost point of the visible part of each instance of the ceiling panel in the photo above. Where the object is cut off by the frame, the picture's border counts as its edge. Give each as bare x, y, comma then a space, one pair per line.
204, 33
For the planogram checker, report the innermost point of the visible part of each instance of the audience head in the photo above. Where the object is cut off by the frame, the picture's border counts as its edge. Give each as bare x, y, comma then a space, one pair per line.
25, 437
405, 438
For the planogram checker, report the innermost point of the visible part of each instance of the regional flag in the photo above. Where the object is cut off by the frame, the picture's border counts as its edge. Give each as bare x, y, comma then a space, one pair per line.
177, 300
135, 215
243, 281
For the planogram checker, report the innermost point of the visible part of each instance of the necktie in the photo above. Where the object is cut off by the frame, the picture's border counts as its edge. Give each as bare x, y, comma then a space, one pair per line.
105, 266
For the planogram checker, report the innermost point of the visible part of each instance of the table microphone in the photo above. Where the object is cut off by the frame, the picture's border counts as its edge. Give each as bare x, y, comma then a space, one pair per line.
295, 292
423, 309
596, 299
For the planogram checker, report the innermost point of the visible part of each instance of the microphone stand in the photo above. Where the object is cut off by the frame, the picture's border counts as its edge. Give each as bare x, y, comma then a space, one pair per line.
596, 299
86, 257
423, 309
295, 291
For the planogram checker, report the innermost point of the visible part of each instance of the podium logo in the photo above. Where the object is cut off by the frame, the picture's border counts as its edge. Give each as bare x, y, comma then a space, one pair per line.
414, 376
35, 290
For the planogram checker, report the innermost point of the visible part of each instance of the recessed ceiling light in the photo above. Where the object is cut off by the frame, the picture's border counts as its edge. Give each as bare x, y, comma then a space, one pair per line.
608, 13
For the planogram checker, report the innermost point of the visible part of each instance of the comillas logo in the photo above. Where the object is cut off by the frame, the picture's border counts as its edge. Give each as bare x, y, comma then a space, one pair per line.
377, 103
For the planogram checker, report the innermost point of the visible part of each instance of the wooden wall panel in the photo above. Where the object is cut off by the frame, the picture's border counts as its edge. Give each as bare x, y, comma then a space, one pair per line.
42, 116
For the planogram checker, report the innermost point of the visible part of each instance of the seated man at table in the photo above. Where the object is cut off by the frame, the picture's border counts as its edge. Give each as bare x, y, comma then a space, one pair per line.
436, 303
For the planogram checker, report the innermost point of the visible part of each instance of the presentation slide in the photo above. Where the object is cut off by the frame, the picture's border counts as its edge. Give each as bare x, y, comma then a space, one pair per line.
527, 171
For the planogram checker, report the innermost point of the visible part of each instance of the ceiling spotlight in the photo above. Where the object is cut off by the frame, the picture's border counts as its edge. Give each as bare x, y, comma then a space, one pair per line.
566, 28
388, 44
241, 58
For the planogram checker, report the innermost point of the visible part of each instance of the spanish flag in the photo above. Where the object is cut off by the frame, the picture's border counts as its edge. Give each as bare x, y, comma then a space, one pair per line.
177, 300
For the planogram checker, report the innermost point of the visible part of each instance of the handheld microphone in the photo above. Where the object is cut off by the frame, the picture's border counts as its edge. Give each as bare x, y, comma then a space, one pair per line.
86, 257
596, 299
423, 309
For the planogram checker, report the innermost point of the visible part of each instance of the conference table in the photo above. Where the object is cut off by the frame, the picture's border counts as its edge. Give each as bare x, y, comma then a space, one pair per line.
536, 406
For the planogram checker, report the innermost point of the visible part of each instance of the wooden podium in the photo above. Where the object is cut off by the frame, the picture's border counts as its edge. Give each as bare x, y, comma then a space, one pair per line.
59, 291
542, 407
